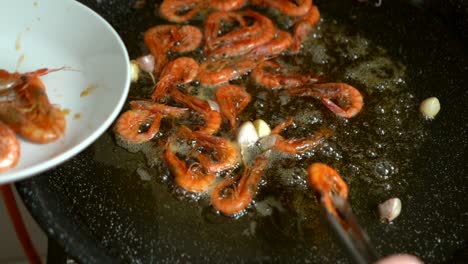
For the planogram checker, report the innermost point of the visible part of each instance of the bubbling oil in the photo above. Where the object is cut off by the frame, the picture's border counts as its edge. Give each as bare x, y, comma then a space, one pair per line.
372, 151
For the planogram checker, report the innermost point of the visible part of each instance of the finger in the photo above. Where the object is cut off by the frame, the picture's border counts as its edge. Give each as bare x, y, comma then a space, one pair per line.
400, 259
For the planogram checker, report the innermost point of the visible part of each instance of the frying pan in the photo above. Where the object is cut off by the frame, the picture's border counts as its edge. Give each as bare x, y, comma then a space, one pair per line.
99, 210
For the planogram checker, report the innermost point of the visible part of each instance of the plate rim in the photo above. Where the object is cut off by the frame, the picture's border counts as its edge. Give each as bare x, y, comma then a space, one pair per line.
31, 171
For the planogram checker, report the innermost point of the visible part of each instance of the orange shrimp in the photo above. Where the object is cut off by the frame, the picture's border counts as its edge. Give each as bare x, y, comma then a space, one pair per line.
30, 87
188, 39
37, 126
219, 72
220, 154
141, 123
9, 80
325, 181
214, 25
131, 124
45, 122
349, 100
348, 96
226, 5
287, 7
163, 109
164, 38
281, 126
211, 117
193, 178
303, 27
12, 79
44, 128
31, 114
274, 76
9, 148
179, 71
244, 45
298, 145
231, 201
213, 122
226, 153
280, 42
179, 10
232, 100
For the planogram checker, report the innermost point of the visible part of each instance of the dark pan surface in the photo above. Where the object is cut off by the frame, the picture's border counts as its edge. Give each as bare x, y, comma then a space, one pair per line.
100, 211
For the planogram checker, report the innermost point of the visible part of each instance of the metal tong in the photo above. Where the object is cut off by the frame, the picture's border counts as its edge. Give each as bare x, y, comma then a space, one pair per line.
350, 235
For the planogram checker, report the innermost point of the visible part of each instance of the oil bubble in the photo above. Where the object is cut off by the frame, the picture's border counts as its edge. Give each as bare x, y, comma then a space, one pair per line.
380, 131
387, 187
371, 153
384, 169
380, 109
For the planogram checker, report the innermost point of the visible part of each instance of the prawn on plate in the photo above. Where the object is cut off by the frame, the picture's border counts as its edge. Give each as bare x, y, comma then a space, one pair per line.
9, 148
30, 113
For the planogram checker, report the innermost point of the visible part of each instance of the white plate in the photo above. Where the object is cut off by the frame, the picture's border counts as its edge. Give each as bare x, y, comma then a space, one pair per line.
52, 34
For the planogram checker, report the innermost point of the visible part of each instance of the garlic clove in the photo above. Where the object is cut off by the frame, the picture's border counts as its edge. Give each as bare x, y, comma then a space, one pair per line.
247, 135
389, 210
146, 63
214, 105
144, 174
134, 71
430, 107
262, 128
268, 142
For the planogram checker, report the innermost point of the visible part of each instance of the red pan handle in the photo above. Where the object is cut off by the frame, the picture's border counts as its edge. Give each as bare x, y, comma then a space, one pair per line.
18, 224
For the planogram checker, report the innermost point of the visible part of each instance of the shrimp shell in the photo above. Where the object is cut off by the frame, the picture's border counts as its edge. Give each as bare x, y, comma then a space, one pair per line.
233, 200
9, 148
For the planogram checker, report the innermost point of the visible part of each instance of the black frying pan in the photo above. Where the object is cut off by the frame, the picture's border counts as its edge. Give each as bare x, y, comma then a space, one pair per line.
97, 208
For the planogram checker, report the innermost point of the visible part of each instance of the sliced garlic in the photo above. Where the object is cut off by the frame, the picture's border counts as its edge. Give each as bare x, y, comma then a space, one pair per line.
144, 174
268, 142
389, 210
134, 70
146, 63
214, 105
430, 107
262, 128
247, 134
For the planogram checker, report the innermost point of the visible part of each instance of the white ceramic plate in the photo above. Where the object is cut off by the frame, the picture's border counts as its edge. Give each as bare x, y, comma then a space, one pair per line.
56, 33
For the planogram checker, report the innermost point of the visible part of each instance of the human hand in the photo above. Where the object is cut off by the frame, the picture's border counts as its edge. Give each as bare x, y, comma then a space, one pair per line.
400, 259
